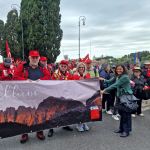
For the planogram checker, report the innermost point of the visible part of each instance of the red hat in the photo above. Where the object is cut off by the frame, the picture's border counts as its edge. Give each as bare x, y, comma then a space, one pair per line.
43, 58
64, 62
88, 61
34, 53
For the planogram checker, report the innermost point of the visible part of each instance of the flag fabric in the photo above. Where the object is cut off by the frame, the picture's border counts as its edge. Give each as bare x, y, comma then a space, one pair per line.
136, 59
86, 58
80, 60
98, 66
8, 50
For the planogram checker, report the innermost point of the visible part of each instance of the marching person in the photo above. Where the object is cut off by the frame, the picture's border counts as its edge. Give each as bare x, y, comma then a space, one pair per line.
62, 73
7, 71
43, 60
33, 70
80, 75
106, 96
145, 72
90, 69
122, 83
140, 83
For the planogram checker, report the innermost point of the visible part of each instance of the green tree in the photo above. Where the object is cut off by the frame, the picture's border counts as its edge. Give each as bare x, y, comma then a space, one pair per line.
10, 34
2, 31
41, 24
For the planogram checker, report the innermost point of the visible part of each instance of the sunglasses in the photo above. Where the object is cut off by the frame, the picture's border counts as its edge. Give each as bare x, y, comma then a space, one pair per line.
63, 66
136, 71
81, 67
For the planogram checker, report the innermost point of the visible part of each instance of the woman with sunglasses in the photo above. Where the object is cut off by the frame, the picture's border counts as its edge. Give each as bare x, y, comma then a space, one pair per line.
80, 75
140, 83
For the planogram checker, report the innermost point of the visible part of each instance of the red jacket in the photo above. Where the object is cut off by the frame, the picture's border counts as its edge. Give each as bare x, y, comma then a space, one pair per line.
57, 75
77, 77
23, 71
5, 71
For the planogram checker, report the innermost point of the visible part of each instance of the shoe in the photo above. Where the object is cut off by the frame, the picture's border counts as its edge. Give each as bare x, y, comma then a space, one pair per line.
124, 134
103, 110
50, 133
118, 115
141, 115
133, 115
80, 127
85, 127
23, 138
40, 135
115, 117
118, 131
109, 112
68, 128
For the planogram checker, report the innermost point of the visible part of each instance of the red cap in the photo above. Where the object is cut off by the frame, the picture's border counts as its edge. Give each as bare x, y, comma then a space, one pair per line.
88, 61
64, 62
43, 58
34, 53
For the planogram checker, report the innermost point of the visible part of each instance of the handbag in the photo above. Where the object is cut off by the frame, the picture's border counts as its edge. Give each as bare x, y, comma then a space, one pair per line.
145, 94
128, 103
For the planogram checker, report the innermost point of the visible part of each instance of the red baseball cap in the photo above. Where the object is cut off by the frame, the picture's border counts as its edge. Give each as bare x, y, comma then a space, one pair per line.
88, 61
64, 62
43, 58
34, 53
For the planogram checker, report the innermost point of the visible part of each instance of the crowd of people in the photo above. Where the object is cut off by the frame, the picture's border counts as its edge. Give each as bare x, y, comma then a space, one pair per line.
115, 81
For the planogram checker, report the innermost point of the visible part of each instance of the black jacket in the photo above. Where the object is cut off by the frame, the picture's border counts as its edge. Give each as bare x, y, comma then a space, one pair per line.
139, 84
144, 73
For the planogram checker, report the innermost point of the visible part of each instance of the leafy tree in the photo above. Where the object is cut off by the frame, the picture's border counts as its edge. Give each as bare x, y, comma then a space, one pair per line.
41, 24
11, 35
2, 30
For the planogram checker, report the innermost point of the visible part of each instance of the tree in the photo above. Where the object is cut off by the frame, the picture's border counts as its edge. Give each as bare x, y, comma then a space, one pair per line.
11, 36
41, 24
2, 30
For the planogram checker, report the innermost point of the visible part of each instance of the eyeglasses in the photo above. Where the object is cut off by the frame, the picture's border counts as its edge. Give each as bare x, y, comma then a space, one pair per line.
63, 66
81, 67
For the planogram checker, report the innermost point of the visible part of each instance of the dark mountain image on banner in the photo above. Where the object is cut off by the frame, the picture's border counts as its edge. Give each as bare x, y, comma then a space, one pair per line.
51, 113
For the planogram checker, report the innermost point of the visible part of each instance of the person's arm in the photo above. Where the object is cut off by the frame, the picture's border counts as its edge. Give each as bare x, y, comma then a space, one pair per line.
102, 75
111, 81
47, 75
118, 83
18, 74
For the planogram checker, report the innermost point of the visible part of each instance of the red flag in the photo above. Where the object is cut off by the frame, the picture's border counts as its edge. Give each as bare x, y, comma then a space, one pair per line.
17, 61
8, 50
12, 59
98, 66
73, 64
80, 60
86, 58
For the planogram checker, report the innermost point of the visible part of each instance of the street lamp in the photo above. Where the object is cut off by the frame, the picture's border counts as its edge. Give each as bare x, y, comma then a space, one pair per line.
83, 19
14, 14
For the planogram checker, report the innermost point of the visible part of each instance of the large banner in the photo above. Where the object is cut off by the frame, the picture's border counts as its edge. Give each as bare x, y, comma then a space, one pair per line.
27, 107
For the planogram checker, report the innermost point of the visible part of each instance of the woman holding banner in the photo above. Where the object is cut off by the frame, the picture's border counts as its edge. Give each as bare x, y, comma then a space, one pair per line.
122, 83
80, 75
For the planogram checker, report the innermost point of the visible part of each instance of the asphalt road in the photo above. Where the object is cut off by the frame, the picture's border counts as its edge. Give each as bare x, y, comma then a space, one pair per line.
100, 137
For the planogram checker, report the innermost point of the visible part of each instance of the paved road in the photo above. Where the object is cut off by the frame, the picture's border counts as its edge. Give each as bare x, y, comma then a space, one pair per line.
100, 137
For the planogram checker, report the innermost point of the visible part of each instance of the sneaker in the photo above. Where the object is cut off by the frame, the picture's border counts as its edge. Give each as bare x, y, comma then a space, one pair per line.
115, 117
40, 135
133, 115
50, 133
85, 127
103, 110
80, 127
23, 138
109, 112
118, 115
141, 115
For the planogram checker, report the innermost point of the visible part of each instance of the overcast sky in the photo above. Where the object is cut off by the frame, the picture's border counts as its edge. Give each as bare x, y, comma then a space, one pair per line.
114, 27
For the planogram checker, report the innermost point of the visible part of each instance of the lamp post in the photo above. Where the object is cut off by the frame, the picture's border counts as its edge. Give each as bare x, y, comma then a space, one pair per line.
83, 19
13, 6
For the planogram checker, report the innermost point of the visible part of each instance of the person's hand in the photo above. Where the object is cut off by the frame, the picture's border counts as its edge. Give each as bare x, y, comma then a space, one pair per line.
102, 92
146, 87
81, 78
101, 79
38, 80
29, 80
6, 75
